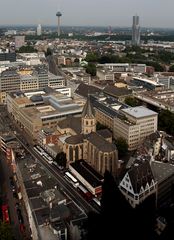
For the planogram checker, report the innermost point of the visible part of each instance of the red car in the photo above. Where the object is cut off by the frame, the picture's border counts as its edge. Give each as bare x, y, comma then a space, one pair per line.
22, 227
5, 213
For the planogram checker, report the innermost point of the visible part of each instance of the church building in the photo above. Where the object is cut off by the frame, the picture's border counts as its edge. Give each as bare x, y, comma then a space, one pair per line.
95, 147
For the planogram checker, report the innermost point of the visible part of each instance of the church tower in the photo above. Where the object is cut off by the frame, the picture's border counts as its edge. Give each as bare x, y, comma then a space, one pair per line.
88, 118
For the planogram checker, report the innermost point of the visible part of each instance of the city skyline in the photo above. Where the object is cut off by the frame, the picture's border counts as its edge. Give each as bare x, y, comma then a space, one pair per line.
92, 13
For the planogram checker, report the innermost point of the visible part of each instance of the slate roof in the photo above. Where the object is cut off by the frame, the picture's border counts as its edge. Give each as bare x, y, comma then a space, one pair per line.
140, 174
71, 122
105, 133
100, 142
117, 92
76, 139
96, 139
84, 90
88, 110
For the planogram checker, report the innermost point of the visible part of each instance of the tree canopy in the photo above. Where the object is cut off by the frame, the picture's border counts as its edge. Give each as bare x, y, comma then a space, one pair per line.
171, 68
122, 146
48, 52
5, 231
91, 69
27, 49
61, 159
131, 101
100, 126
166, 121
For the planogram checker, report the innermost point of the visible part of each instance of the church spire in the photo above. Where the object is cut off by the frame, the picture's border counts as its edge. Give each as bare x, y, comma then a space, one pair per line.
88, 118
88, 111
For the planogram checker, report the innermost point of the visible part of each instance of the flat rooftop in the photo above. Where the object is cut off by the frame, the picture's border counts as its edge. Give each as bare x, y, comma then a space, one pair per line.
139, 112
88, 173
40, 104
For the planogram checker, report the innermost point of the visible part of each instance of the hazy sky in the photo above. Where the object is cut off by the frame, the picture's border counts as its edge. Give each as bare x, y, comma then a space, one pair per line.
153, 13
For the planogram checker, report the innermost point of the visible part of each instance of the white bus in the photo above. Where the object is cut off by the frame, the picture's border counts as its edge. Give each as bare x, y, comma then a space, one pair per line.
72, 179
41, 152
38, 151
97, 201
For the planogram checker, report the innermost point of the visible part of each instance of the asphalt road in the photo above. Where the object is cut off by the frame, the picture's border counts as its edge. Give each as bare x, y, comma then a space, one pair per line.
63, 183
9, 199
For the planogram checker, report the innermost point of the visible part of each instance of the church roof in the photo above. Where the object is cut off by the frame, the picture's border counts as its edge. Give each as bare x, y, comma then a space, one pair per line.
88, 110
75, 139
105, 133
71, 122
100, 143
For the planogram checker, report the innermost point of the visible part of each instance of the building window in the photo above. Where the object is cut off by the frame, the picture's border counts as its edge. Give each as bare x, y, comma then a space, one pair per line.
86, 122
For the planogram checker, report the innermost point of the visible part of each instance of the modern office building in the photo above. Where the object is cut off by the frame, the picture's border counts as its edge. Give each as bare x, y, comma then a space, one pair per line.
123, 67
8, 56
35, 110
159, 99
28, 79
39, 30
136, 31
9, 81
149, 84
19, 41
135, 124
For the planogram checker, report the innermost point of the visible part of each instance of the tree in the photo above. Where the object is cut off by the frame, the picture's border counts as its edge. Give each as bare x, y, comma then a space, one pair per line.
131, 101
91, 57
171, 68
100, 126
91, 69
166, 121
61, 159
27, 49
158, 67
5, 231
122, 146
48, 52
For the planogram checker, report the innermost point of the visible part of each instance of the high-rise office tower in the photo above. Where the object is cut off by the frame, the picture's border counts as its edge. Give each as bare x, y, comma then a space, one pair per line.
136, 31
58, 14
39, 30
19, 41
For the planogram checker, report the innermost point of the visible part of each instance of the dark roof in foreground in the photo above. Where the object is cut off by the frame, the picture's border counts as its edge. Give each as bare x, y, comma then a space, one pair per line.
140, 174
88, 173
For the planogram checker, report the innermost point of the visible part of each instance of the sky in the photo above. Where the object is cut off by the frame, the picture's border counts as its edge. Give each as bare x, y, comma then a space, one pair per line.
116, 13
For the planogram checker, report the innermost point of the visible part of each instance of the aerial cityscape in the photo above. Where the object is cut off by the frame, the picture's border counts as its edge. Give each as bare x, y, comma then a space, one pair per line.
86, 120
